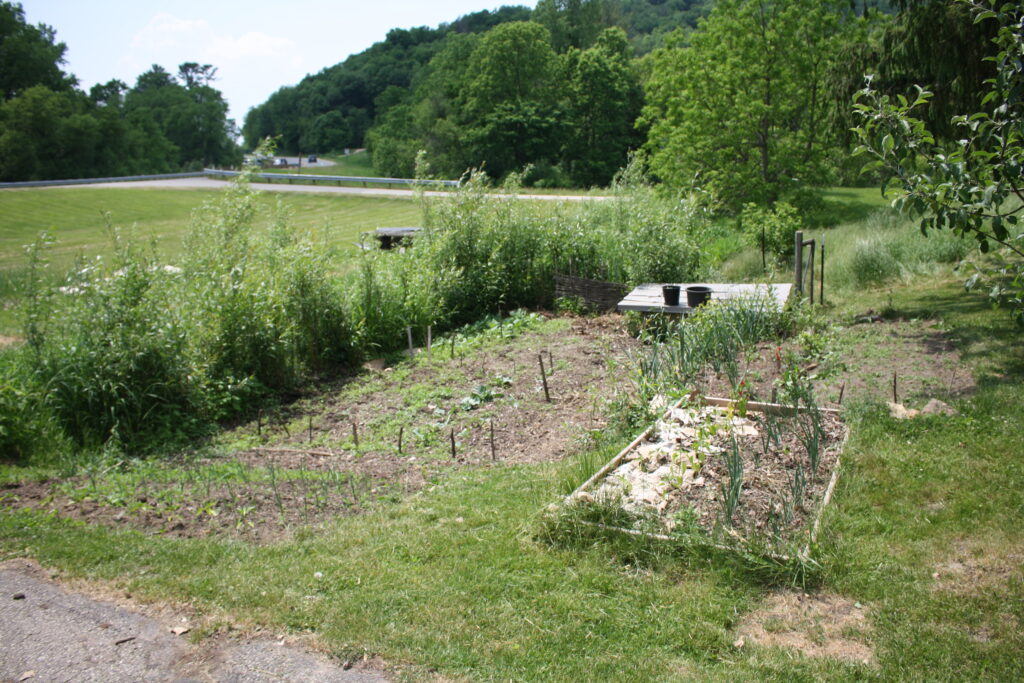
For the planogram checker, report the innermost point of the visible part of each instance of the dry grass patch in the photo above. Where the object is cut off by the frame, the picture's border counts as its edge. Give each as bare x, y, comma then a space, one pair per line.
819, 625
976, 565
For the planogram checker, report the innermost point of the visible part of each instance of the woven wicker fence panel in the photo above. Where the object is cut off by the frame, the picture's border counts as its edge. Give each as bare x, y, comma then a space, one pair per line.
595, 293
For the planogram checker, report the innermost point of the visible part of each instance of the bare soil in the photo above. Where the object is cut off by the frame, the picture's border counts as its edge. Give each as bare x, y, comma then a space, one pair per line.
862, 365
973, 566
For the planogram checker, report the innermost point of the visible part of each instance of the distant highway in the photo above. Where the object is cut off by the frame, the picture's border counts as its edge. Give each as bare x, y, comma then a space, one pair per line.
211, 184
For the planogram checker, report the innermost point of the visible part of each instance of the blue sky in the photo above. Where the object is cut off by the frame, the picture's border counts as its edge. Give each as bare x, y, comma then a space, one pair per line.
256, 45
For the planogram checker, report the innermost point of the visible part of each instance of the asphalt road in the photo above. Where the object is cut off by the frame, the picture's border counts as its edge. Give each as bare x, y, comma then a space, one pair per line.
50, 634
211, 184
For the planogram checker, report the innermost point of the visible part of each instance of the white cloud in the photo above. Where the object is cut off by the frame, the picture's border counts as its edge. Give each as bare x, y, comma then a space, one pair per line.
247, 46
166, 31
196, 40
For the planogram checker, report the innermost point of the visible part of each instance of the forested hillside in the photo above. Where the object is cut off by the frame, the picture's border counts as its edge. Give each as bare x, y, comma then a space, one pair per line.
51, 129
334, 108
407, 93
744, 99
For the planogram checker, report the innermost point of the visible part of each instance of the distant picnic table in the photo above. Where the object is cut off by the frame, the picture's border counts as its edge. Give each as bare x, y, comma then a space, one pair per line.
391, 237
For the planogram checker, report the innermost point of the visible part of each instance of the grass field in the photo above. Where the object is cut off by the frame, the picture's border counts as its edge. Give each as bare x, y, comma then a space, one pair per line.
76, 217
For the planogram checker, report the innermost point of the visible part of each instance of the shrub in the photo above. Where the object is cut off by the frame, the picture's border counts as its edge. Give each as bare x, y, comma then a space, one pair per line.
773, 229
115, 367
27, 427
140, 354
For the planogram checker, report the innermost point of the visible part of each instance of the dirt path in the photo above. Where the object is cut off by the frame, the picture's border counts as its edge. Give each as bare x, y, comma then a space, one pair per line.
211, 184
50, 634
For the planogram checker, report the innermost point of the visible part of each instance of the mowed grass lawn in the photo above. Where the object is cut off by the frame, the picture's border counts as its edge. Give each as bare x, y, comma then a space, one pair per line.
78, 218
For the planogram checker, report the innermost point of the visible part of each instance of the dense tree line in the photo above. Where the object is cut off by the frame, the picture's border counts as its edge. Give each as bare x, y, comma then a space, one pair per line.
746, 99
51, 129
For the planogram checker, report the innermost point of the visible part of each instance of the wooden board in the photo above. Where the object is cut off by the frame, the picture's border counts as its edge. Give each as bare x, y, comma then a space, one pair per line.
648, 298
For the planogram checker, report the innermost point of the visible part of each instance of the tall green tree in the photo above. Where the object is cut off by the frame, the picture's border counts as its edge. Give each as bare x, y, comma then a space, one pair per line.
510, 98
740, 109
191, 114
974, 183
603, 100
29, 55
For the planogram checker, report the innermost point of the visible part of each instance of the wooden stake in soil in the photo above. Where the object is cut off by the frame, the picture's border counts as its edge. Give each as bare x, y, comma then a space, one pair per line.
493, 456
259, 422
311, 429
842, 390
821, 280
451, 435
408, 335
453, 347
401, 431
544, 377
355, 435
430, 340
551, 362
894, 399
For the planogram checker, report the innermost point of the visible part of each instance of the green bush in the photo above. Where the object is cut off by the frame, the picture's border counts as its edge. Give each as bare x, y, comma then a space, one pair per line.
139, 356
27, 427
147, 356
773, 229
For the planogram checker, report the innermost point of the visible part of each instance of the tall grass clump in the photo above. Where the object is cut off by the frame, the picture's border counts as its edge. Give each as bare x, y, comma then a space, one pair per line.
261, 306
104, 351
883, 248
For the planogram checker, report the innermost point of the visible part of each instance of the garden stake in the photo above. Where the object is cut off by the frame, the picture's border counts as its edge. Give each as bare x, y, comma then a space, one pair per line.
551, 362
894, 400
355, 435
493, 456
259, 422
430, 340
311, 429
544, 377
453, 347
401, 431
842, 389
408, 334
451, 435
821, 280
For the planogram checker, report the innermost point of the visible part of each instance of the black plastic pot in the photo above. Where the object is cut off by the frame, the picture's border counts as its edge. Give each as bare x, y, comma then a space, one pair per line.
671, 294
697, 295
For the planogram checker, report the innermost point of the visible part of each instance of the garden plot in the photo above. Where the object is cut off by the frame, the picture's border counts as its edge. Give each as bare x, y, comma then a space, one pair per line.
753, 472
301, 466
